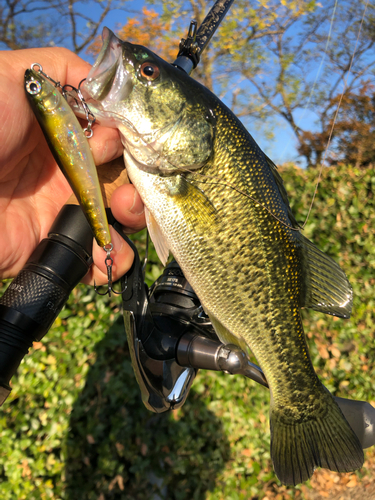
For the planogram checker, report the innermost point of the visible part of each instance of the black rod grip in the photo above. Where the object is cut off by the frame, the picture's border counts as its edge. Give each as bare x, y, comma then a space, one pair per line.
35, 297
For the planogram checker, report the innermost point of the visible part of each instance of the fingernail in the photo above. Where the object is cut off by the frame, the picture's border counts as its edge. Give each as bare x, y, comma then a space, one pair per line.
137, 208
110, 150
117, 241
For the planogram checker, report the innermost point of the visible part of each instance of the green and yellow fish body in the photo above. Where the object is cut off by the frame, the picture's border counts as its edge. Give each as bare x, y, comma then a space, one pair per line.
70, 149
218, 204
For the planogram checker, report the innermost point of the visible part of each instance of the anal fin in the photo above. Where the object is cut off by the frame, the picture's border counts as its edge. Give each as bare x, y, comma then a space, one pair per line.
326, 287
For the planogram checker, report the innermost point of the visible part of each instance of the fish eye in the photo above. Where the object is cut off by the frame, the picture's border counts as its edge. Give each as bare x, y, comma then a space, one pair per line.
150, 71
33, 87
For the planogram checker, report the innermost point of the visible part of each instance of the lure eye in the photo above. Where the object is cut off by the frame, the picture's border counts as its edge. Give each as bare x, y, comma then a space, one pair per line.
150, 71
33, 87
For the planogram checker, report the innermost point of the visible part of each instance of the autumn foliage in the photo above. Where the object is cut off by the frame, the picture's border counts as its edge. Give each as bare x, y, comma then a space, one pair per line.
352, 131
355, 128
147, 29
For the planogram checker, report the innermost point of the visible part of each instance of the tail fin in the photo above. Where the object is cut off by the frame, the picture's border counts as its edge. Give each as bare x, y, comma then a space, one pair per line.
299, 446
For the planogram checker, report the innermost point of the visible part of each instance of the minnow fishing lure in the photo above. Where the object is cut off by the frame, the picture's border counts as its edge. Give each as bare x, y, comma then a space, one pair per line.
70, 149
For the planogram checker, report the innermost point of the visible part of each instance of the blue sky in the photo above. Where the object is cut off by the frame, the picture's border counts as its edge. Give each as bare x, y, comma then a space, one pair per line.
281, 148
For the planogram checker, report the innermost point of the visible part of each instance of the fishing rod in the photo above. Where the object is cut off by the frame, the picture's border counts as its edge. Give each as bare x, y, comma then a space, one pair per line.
169, 335
191, 48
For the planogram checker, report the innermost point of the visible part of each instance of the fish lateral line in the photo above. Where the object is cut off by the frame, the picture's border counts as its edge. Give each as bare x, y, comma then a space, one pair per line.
195, 172
235, 188
221, 281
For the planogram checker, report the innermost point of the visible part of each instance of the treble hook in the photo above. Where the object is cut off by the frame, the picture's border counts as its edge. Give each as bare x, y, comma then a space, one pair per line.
109, 263
76, 94
90, 118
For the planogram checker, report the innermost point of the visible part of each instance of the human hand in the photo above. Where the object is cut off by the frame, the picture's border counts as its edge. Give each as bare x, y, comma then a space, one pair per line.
32, 187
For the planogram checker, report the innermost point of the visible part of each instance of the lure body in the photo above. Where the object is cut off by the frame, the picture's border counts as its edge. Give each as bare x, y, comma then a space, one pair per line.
70, 149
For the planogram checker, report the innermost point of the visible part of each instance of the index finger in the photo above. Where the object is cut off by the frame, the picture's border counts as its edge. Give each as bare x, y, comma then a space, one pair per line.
61, 64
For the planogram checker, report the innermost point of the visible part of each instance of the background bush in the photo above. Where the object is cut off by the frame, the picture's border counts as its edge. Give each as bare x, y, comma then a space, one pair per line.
74, 426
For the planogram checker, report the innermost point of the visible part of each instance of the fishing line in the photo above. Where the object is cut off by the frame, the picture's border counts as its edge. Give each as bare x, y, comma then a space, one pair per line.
317, 75
158, 154
335, 117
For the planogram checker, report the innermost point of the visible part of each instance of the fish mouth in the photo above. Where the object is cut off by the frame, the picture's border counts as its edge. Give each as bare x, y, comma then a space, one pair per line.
110, 79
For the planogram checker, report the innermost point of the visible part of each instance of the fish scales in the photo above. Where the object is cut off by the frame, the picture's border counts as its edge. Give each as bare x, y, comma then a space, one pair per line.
217, 203
251, 299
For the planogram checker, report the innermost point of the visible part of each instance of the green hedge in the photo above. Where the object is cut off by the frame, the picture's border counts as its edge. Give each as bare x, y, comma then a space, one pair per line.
74, 426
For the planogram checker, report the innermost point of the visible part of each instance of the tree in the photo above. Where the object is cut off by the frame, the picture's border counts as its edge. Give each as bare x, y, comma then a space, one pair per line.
262, 62
33, 23
146, 29
296, 86
242, 36
354, 139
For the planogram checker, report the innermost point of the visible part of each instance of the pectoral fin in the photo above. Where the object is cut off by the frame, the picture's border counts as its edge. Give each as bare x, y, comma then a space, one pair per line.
196, 206
326, 287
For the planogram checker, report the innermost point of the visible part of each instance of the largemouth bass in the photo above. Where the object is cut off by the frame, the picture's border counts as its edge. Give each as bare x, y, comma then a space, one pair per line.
70, 149
217, 202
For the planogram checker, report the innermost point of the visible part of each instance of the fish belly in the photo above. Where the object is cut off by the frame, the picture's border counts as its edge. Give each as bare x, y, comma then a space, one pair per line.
233, 261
